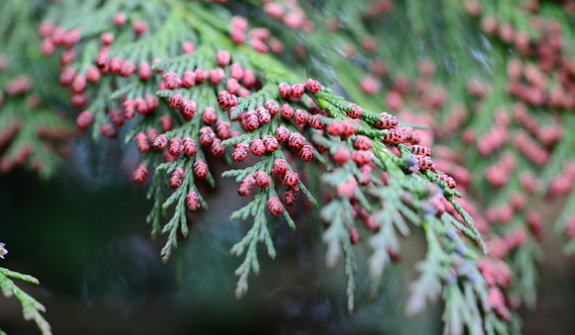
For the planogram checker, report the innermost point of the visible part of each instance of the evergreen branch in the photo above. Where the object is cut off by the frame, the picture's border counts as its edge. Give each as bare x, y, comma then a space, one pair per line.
31, 308
258, 233
428, 286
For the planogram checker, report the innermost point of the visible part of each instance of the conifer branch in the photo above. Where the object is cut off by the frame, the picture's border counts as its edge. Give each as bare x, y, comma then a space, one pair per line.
195, 86
31, 308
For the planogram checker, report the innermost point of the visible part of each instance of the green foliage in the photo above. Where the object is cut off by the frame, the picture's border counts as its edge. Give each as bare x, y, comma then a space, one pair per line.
396, 204
31, 308
32, 134
394, 196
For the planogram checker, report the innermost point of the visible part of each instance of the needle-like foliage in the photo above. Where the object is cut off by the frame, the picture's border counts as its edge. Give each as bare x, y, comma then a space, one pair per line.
448, 120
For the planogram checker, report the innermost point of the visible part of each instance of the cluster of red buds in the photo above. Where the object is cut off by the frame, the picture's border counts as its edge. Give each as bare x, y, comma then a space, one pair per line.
441, 205
193, 202
459, 173
54, 37
544, 84
425, 163
187, 107
274, 206
457, 115
251, 120
176, 146
200, 169
17, 86
259, 178
421, 91
498, 174
257, 147
371, 85
290, 14
499, 247
9, 131
529, 82
534, 222
188, 79
208, 139
287, 119
290, 179
176, 178
378, 8
496, 137
16, 146
142, 105
547, 136
477, 88
562, 184
53, 134
448, 180
227, 100
502, 213
498, 276
17, 158
530, 148
347, 188
140, 174
296, 91
238, 84
259, 38
117, 66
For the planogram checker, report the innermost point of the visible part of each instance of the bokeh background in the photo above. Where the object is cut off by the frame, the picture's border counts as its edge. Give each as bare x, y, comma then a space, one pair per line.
83, 234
